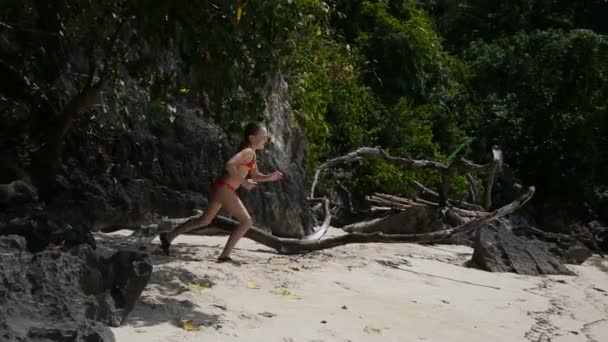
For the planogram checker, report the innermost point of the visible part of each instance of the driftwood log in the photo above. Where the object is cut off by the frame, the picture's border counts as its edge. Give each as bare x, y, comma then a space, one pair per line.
315, 241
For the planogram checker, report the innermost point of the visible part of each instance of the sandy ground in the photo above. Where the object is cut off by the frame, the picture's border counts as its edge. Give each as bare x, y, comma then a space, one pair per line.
363, 292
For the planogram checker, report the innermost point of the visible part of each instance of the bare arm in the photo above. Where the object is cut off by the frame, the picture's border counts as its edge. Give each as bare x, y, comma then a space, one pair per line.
260, 177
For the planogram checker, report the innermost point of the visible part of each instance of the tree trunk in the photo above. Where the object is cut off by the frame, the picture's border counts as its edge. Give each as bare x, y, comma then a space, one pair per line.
298, 246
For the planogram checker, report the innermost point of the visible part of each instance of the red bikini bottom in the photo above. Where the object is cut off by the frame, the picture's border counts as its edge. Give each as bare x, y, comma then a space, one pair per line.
219, 183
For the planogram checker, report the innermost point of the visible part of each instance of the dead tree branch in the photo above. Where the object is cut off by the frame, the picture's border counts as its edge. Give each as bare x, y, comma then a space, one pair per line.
495, 166
297, 246
318, 234
456, 203
447, 172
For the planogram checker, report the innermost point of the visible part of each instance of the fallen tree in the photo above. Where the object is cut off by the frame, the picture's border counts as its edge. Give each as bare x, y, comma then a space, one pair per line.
457, 218
315, 241
464, 216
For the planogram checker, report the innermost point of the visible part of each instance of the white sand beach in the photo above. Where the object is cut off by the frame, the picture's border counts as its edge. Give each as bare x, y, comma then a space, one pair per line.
361, 292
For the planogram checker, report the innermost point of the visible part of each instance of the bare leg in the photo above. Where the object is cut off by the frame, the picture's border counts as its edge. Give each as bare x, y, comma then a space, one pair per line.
236, 208
196, 222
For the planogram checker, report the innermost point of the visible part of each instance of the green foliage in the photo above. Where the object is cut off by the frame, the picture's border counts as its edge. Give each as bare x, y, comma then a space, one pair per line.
388, 83
405, 53
462, 22
424, 79
549, 111
539, 95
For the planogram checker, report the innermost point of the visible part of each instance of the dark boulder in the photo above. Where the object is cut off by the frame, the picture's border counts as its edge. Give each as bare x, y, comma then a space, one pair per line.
58, 295
497, 249
566, 248
40, 227
41, 298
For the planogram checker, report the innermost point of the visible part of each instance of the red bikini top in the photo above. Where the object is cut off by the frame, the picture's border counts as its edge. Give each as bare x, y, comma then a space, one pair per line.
250, 165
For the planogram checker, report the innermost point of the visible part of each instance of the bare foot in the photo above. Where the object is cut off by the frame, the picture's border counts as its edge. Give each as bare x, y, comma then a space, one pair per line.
228, 259
164, 243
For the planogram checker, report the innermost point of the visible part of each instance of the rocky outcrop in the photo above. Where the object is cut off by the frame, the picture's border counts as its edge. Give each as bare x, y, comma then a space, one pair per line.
41, 298
497, 249
40, 227
566, 248
282, 206
115, 282
55, 287
128, 170
150, 148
